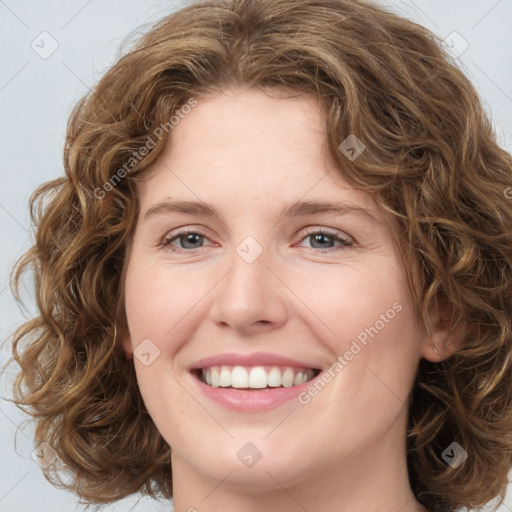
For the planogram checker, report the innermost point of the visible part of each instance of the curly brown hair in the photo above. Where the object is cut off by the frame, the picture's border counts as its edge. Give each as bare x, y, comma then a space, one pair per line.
431, 160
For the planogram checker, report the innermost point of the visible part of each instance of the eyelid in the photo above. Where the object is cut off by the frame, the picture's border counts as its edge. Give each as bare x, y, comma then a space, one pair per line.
179, 232
346, 240
328, 231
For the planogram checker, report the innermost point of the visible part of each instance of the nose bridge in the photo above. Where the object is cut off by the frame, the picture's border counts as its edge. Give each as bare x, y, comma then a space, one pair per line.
249, 294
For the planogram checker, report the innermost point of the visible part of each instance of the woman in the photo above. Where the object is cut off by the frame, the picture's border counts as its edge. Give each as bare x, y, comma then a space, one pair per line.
338, 334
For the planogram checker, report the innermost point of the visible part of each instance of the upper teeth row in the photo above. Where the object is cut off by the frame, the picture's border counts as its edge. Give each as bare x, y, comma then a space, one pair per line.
255, 377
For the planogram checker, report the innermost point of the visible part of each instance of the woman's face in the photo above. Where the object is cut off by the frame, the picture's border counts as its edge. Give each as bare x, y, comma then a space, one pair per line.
266, 269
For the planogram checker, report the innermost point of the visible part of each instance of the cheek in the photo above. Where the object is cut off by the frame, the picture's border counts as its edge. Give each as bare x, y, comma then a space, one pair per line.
159, 300
368, 320
357, 303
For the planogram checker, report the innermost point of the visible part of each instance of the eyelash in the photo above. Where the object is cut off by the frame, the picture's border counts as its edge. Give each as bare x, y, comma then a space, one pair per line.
344, 242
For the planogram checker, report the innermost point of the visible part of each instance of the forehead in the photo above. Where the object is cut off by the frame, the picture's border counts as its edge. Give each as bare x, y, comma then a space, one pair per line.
251, 126
239, 150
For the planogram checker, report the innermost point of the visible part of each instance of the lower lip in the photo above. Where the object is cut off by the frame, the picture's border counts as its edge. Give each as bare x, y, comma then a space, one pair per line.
252, 401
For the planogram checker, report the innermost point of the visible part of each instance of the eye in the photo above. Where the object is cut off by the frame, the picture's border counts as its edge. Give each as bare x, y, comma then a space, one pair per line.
325, 240
188, 239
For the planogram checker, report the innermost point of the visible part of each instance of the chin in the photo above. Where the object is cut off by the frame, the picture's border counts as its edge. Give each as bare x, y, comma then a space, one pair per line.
258, 465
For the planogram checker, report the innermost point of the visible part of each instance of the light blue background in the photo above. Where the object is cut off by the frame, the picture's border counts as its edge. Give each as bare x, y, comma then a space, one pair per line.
36, 98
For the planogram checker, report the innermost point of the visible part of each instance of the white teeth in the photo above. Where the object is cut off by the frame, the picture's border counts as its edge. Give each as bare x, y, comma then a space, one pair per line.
239, 377
274, 377
256, 377
288, 378
214, 376
225, 377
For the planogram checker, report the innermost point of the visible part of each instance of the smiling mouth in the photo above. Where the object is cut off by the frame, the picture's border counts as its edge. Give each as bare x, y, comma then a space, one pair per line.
251, 378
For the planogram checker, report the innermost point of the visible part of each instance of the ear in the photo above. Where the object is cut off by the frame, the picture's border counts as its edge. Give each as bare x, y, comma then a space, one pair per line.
446, 338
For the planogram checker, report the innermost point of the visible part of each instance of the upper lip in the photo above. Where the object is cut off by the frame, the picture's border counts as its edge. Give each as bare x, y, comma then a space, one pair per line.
255, 359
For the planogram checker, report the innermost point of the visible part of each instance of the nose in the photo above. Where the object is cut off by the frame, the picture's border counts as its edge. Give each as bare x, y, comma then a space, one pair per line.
251, 298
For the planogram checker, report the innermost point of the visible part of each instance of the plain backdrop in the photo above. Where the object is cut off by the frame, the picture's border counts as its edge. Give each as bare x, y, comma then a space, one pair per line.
50, 54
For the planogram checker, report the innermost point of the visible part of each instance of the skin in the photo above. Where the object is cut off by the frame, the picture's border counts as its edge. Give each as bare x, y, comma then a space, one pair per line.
250, 154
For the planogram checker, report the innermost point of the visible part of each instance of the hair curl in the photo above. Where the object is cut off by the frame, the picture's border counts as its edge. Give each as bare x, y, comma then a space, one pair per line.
431, 160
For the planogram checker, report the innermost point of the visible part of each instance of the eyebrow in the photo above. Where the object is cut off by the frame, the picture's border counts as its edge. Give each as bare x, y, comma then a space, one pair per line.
298, 209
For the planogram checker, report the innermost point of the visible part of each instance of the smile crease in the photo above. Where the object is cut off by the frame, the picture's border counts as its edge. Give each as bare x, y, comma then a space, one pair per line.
255, 377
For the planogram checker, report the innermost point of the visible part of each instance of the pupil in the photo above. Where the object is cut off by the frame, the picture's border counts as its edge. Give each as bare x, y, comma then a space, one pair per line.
321, 238
189, 238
